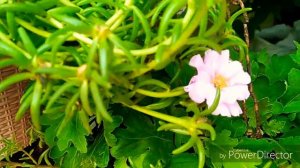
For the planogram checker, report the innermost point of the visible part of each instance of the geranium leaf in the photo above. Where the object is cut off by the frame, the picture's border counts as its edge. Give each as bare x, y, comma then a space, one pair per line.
296, 56
264, 110
277, 108
73, 158
236, 125
140, 137
220, 146
75, 133
256, 144
291, 145
263, 58
98, 152
292, 132
121, 163
277, 125
293, 85
186, 160
52, 126
279, 68
293, 106
237, 164
254, 69
109, 128
263, 88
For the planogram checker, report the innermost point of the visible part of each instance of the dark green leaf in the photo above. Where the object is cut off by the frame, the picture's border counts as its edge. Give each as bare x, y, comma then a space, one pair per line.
75, 133
121, 163
181, 139
254, 69
241, 164
256, 144
277, 125
264, 111
291, 145
74, 158
263, 58
279, 68
263, 88
52, 122
296, 57
109, 128
236, 125
293, 85
293, 106
98, 152
140, 137
292, 132
185, 160
221, 146
277, 108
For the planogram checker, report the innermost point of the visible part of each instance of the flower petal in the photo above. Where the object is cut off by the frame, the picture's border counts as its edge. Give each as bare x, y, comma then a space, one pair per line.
223, 110
196, 61
211, 96
244, 92
230, 69
234, 93
235, 109
204, 77
225, 54
228, 95
214, 60
199, 91
211, 60
240, 78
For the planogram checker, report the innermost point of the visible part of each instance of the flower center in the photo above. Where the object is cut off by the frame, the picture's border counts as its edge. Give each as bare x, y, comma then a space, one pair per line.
219, 81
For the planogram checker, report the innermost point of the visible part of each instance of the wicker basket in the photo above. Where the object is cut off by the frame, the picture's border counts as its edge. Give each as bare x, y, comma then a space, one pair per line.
9, 104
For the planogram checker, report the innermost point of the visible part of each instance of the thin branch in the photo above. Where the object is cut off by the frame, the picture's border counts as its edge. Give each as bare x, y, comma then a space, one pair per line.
31, 158
244, 115
16, 164
250, 86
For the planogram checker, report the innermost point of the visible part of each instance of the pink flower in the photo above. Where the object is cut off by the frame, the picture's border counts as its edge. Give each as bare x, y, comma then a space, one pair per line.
218, 71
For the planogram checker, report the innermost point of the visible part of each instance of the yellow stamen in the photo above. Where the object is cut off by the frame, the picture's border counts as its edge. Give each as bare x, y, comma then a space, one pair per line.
219, 81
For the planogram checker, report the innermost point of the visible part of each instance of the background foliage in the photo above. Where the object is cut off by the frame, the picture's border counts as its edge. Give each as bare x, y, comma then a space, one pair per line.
91, 62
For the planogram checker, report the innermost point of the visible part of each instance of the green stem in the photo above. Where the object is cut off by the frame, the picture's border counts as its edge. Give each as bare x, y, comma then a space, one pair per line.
217, 24
236, 14
173, 93
7, 82
204, 42
161, 116
209, 128
11, 44
191, 8
168, 126
190, 27
201, 152
114, 21
203, 25
180, 131
185, 146
68, 3
213, 107
32, 28
29, 156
